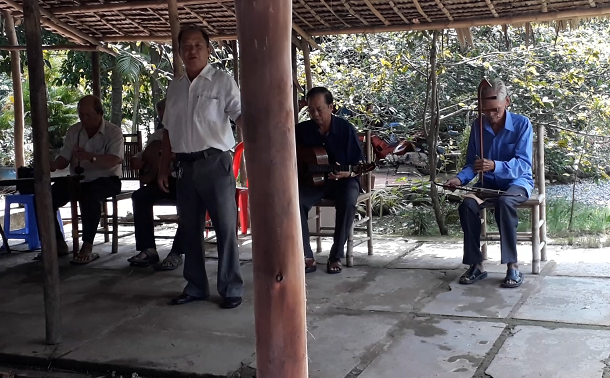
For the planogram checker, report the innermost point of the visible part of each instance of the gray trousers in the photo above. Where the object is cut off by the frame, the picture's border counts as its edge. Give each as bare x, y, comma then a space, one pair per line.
506, 217
209, 185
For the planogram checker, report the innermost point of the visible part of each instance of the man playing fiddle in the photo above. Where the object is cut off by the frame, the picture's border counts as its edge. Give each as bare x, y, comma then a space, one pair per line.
505, 164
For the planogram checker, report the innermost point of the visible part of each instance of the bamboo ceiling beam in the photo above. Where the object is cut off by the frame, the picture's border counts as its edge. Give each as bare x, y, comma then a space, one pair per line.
438, 25
306, 36
162, 19
203, 21
54, 48
442, 8
160, 38
330, 9
304, 20
132, 22
314, 14
107, 24
399, 13
421, 11
128, 5
353, 12
376, 13
544, 6
62, 28
94, 33
492, 9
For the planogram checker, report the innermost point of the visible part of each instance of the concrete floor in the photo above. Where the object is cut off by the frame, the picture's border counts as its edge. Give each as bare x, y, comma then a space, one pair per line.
399, 313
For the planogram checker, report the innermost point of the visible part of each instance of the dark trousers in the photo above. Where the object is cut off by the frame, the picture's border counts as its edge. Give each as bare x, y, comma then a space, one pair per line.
345, 194
208, 185
143, 201
506, 217
90, 196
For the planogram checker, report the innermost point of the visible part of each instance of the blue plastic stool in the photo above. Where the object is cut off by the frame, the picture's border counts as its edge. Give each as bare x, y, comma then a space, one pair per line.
30, 231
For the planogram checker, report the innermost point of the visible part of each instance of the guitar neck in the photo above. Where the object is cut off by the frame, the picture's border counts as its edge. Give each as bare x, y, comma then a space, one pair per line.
325, 168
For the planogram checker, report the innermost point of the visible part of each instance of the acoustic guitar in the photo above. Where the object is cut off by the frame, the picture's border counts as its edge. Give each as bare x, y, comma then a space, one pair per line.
313, 166
151, 157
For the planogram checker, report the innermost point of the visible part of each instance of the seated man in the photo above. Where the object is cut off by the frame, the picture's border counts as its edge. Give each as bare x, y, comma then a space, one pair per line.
506, 166
97, 146
143, 201
340, 140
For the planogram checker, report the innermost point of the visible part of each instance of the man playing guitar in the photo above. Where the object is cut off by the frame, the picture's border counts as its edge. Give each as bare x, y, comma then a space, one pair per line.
144, 199
338, 137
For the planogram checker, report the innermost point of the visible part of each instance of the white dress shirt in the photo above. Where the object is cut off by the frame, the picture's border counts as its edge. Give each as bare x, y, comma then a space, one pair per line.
197, 113
107, 141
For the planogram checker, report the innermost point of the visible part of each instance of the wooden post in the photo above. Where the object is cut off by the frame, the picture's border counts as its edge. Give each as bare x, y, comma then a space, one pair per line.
174, 23
305, 48
95, 68
264, 34
9, 25
42, 177
295, 92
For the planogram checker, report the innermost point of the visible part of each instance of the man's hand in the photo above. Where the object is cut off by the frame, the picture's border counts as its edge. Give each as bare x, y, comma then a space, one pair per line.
136, 163
81, 154
163, 181
484, 165
452, 183
339, 175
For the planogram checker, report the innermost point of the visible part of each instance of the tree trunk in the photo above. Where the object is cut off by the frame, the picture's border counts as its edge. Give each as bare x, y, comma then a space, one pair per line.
433, 137
9, 26
136, 104
116, 79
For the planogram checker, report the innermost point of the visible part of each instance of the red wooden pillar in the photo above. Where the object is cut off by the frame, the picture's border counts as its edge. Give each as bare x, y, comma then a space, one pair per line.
264, 32
42, 178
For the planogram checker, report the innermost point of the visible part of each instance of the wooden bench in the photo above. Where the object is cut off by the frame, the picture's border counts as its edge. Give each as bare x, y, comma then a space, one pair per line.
537, 206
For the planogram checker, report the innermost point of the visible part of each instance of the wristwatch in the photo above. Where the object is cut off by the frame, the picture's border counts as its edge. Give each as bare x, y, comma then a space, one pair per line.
93, 159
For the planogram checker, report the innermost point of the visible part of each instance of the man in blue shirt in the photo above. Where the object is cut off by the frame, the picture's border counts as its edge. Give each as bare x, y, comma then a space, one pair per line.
341, 142
506, 164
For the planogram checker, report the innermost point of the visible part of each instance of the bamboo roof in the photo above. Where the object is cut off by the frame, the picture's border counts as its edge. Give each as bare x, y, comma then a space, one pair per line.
96, 22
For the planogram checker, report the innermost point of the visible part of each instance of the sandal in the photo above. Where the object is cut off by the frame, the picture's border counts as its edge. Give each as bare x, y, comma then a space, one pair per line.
84, 259
151, 257
513, 279
171, 262
472, 275
310, 268
336, 269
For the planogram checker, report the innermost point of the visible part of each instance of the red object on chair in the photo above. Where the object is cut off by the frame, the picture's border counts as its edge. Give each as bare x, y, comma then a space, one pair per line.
241, 193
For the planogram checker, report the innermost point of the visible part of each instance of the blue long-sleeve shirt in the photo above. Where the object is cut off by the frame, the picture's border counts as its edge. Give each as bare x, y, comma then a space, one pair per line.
510, 149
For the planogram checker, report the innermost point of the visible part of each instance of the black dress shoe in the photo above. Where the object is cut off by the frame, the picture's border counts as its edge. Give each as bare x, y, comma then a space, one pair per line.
230, 302
184, 299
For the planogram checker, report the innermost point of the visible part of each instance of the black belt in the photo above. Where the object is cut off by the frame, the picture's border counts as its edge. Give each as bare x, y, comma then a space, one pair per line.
194, 156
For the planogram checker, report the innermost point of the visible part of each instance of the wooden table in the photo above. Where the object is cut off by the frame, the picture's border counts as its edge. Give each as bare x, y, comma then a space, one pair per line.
75, 183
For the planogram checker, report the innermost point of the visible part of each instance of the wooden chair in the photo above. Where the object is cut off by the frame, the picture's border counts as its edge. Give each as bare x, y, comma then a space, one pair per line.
133, 145
367, 220
537, 205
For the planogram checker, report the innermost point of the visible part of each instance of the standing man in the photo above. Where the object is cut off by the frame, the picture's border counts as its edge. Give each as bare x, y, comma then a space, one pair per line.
143, 201
506, 165
338, 137
97, 146
200, 105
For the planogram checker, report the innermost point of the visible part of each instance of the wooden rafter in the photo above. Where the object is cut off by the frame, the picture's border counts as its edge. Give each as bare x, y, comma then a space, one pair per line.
62, 28
54, 48
544, 6
164, 20
439, 25
492, 9
353, 12
160, 38
108, 25
92, 30
331, 10
203, 21
313, 13
79, 9
306, 36
592, 4
398, 12
376, 13
133, 23
229, 11
442, 8
421, 11
304, 20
